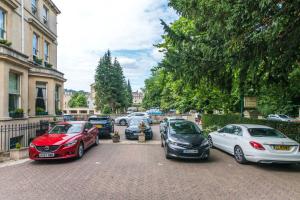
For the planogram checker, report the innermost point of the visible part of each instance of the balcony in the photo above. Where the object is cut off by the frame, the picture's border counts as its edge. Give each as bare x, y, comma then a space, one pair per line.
38, 70
12, 55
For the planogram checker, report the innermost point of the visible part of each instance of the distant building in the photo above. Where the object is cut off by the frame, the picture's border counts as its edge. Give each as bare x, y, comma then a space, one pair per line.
137, 97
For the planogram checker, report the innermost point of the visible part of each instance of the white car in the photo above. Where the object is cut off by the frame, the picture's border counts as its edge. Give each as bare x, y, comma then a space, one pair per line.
280, 117
124, 119
255, 143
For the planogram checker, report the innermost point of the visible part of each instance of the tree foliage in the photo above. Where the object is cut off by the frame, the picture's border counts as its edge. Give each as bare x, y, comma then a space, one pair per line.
218, 51
78, 100
110, 85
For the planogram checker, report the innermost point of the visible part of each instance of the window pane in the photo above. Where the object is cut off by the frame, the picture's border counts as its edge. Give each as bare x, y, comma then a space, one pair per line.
14, 85
13, 102
41, 96
34, 44
2, 24
46, 51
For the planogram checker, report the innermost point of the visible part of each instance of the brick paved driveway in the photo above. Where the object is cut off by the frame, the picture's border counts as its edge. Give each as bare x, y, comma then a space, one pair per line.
130, 171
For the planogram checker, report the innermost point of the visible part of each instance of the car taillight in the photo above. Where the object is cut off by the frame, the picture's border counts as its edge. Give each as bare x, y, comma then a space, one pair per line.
257, 145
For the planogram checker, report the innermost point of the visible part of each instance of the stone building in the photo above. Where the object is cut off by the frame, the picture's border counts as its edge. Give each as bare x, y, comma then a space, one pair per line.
29, 78
137, 97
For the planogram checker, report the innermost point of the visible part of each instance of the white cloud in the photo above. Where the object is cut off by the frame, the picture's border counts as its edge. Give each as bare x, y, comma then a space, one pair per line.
87, 29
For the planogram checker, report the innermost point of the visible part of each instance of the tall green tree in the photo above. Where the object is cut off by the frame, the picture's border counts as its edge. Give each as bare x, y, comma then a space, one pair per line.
129, 93
78, 99
110, 85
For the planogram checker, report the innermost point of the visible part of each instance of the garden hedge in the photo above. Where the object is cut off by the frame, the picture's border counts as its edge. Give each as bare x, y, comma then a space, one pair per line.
291, 129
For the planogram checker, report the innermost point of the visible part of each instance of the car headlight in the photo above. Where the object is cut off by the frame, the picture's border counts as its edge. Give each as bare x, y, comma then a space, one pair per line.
205, 142
72, 143
31, 145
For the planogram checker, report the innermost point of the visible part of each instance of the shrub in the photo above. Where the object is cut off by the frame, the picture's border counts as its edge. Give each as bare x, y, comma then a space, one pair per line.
291, 129
5, 42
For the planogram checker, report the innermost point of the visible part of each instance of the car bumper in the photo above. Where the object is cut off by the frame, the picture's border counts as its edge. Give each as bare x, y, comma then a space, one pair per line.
178, 152
274, 158
148, 135
105, 131
61, 153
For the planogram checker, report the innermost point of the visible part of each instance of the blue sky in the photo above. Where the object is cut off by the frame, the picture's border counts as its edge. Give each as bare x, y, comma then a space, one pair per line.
129, 28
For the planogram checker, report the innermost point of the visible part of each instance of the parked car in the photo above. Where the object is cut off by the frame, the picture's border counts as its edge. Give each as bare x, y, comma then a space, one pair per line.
68, 117
64, 140
280, 117
255, 143
104, 124
154, 112
124, 119
164, 124
133, 130
184, 139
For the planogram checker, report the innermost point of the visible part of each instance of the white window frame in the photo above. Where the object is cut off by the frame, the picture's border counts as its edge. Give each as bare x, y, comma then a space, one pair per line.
18, 93
46, 57
42, 85
35, 49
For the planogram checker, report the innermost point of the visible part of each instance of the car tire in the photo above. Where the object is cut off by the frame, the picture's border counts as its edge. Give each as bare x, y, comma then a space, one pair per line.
239, 155
123, 122
166, 152
97, 140
80, 150
207, 156
211, 144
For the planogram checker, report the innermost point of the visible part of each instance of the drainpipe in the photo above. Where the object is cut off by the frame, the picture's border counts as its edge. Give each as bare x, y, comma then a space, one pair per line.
22, 24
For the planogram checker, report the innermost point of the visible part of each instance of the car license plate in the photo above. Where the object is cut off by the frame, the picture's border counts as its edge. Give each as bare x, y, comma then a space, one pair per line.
46, 155
190, 151
98, 126
281, 148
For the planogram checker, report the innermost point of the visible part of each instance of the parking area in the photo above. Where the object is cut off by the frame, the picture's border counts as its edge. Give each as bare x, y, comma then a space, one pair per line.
135, 171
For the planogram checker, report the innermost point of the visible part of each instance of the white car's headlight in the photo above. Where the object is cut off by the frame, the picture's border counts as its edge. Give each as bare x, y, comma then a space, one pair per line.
173, 143
31, 145
72, 143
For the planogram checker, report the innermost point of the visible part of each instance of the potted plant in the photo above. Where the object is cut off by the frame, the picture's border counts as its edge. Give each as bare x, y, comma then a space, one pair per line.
58, 112
18, 113
37, 60
142, 137
5, 42
48, 65
116, 137
41, 111
19, 152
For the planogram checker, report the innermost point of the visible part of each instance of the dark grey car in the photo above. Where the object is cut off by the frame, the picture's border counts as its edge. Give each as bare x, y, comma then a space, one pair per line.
184, 139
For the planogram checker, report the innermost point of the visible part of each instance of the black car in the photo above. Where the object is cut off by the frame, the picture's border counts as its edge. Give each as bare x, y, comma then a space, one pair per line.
104, 124
184, 139
133, 130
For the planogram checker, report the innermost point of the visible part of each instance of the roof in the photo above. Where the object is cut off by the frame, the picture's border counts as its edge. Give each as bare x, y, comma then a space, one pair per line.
252, 125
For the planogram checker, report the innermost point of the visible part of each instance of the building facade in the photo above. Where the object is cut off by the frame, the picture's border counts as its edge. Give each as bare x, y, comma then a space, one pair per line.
137, 97
29, 80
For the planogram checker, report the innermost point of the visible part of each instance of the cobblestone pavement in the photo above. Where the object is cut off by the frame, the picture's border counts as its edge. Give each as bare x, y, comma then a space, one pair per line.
131, 171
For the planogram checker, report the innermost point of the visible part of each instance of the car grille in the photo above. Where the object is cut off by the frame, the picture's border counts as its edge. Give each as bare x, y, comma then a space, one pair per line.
189, 146
47, 148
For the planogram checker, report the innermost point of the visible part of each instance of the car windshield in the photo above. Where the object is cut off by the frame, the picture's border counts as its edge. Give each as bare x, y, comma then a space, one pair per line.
66, 129
99, 119
265, 132
184, 127
283, 116
137, 122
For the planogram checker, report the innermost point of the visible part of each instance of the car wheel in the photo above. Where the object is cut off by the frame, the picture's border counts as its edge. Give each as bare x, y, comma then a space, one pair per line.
166, 152
211, 144
80, 151
97, 140
206, 156
239, 155
123, 122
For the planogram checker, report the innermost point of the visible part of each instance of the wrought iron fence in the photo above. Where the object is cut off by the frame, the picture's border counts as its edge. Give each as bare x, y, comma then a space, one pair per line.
12, 134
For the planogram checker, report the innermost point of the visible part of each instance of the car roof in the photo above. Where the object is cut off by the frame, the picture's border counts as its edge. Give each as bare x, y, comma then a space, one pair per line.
71, 122
252, 126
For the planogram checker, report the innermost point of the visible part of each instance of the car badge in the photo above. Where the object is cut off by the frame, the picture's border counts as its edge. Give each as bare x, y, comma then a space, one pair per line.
46, 148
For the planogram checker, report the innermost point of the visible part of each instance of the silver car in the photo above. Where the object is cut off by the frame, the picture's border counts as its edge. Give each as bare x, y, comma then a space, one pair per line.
280, 117
123, 120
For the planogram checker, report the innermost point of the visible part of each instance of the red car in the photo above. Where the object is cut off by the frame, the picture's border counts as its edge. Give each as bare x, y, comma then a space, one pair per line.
64, 140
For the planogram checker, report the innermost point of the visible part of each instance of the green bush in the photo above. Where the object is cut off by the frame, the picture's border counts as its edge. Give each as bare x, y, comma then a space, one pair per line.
291, 129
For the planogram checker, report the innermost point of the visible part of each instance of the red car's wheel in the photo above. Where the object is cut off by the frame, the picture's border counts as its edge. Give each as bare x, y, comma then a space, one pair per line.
80, 150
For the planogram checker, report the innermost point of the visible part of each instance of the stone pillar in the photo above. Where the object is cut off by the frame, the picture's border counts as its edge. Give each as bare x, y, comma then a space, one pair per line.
4, 87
